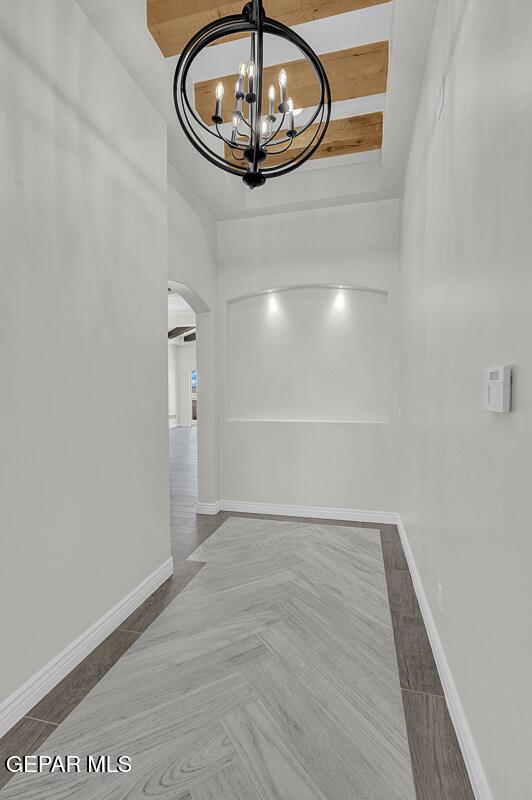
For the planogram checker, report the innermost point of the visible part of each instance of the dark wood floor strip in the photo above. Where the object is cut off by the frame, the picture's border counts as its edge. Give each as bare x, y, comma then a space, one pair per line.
437, 762
417, 668
46, 721
438, 766
62, 700
22, 740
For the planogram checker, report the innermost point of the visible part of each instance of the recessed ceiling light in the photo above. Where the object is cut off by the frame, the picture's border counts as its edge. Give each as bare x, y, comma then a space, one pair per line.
339, 303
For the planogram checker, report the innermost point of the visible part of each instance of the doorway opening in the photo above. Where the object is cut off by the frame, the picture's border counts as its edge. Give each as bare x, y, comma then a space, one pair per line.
194, 396
182, 405
182, 362
191, 404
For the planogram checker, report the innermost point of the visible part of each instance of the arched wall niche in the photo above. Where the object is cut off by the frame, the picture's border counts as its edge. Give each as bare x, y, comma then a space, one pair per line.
309, 353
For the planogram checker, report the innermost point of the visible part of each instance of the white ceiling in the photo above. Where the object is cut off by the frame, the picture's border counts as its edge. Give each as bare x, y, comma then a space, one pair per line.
177, 303
323, 182
179, 312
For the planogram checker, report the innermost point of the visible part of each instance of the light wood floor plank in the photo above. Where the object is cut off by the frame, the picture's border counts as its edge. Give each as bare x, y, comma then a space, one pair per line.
274, 770
346, 715
230, 783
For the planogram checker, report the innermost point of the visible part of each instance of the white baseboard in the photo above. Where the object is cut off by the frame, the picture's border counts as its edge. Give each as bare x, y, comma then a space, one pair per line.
476, 773
320, 512
208, 508
26, 696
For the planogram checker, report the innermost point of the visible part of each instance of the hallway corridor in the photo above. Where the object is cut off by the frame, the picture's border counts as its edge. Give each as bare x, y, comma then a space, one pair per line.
200, 701
272, 676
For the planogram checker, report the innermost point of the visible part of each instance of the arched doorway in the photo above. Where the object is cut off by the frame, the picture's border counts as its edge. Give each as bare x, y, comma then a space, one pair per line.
193, 448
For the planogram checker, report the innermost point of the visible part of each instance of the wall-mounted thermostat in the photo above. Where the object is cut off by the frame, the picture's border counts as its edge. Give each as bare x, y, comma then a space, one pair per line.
497, 388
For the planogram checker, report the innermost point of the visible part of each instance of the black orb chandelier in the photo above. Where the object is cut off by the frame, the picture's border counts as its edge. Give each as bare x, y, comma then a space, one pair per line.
260, 129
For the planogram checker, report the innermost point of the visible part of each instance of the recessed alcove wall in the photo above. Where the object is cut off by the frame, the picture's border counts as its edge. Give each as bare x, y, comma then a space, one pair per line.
308, 389
309, 353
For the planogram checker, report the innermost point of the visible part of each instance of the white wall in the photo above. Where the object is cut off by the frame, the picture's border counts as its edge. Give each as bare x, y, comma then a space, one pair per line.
334, 464
466, 283
192, 261
191, 239
181, 360
84, 511
309, 353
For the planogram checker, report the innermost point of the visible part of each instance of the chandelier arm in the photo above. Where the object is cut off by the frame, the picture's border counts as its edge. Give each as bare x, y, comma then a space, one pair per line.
318, 136
237, 144
206, 36
303, 156
229, 143
284, 140
298, 159
278, 152
239, 132
292, 139
222, 137
198, 143
244, 120
198, 119
209, 154
278, 29
220, 134
276, 132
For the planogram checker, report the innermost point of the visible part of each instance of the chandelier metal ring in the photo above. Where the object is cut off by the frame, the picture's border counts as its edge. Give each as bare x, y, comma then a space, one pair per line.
256, 136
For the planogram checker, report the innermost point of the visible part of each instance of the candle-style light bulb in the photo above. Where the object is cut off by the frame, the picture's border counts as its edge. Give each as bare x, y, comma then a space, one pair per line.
283, 80
291, 131
239, 96
239, 89
235, 127
271, 101
219, 93
251, 97
264, 128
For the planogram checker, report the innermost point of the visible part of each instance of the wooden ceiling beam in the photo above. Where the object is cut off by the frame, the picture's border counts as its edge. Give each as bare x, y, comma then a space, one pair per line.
356, 72
344, 136
179, 331
173, 22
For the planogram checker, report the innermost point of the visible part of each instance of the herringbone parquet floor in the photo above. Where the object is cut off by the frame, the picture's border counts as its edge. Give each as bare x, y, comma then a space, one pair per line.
272, 676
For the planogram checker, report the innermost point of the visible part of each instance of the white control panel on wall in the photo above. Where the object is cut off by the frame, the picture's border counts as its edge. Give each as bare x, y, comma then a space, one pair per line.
497, 388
